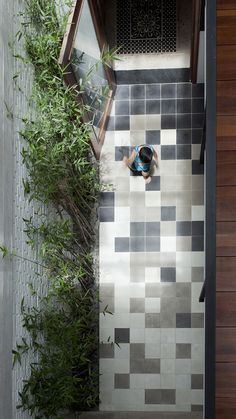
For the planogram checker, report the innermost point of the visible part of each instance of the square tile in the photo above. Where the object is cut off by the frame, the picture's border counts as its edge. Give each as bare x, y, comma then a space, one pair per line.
137, 122
197, 274
153, 122
183, 90
183, 105
197, 228
183, 121
137, 229
183, 350
168, 274
137, 137
168, 90
197, 120
183, 320
152, 350
197, 136
152, 228
197, 320
154, 185
183, 136
152, 290
137, 91
137, 273
152, 198
152, 320
137, 107
153, 137
168, 106
152, 305
121, 381
122, 123
137, 244
183, 151
153, 91
111, 123
168, 137
196, 381
106, 350
168, 152
122, 107
137, 305
198, 90
168, 213
152, 214
121, 151
106, 214
122, 92
168, 122
122, 244
197, 168
122, 335
183, 228
122, 214
198, 105
152, 244
197, 243
152, 274
152, 106
168, 244
122, 199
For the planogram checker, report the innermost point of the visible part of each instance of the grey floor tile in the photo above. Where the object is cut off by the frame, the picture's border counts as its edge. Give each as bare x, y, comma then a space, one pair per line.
183, 320
183, 228
168, 213
168, 91
183, 90
122, 335
183, 121
106, 214
183, 350
183, 290
107, 303
122, 244
122, 92
121, 380
184, 152
107, 289
197, 274
153, 137
137, 107
168, 274
137, 91
137, 366
167, 396
153, 290
168, 106
183, 136
122, 123
153, 91
153, 106
152, 244
137, 305
122, 107
106, 350
168, 152
137, 273
137, 351
137, 244
183, 105
137, 229
152, 396
154, 185
152, 366
168, 289
168, 121
107, 199
197, 320
152, 320
183, 305
197, 381
197, 408
152, 228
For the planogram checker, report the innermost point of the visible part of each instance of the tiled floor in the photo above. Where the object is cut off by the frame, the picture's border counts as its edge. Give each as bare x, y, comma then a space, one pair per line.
152, 253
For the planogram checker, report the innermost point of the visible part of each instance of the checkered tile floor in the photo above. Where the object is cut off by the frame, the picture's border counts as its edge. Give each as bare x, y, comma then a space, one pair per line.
152, 253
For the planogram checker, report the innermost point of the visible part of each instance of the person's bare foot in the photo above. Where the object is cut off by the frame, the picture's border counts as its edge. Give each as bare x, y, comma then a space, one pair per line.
125, 160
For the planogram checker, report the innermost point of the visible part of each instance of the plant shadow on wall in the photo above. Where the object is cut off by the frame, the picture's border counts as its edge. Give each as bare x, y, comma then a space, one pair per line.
63, 327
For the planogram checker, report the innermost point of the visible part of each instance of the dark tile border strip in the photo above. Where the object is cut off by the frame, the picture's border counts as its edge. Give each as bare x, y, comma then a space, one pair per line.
170, 75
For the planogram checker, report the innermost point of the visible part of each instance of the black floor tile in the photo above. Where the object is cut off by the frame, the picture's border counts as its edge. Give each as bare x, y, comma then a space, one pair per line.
198, 90
153, 137
122, 123
183, 320
168, 91
197, 228
153, 107
106, 214
183, 105
197, 120
153, 91
197, 136
122, 107
168, 274
122, 335
184, 152
138, 91
197, 243
183, 136
183, 228
122, 92
184, 90
168, 152
197, 168
107, 199
137, 107
197, 105
168, 106
184, 121
168, 121
154, 185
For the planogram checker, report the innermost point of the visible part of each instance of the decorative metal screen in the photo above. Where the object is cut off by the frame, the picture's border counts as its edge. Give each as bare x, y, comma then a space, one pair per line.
146, 26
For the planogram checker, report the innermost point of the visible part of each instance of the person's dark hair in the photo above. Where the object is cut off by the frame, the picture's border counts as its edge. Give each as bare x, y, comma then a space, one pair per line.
145, 154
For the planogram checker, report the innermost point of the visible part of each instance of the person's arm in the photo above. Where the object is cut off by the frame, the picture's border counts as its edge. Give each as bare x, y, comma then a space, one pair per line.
129, 161
155, 157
